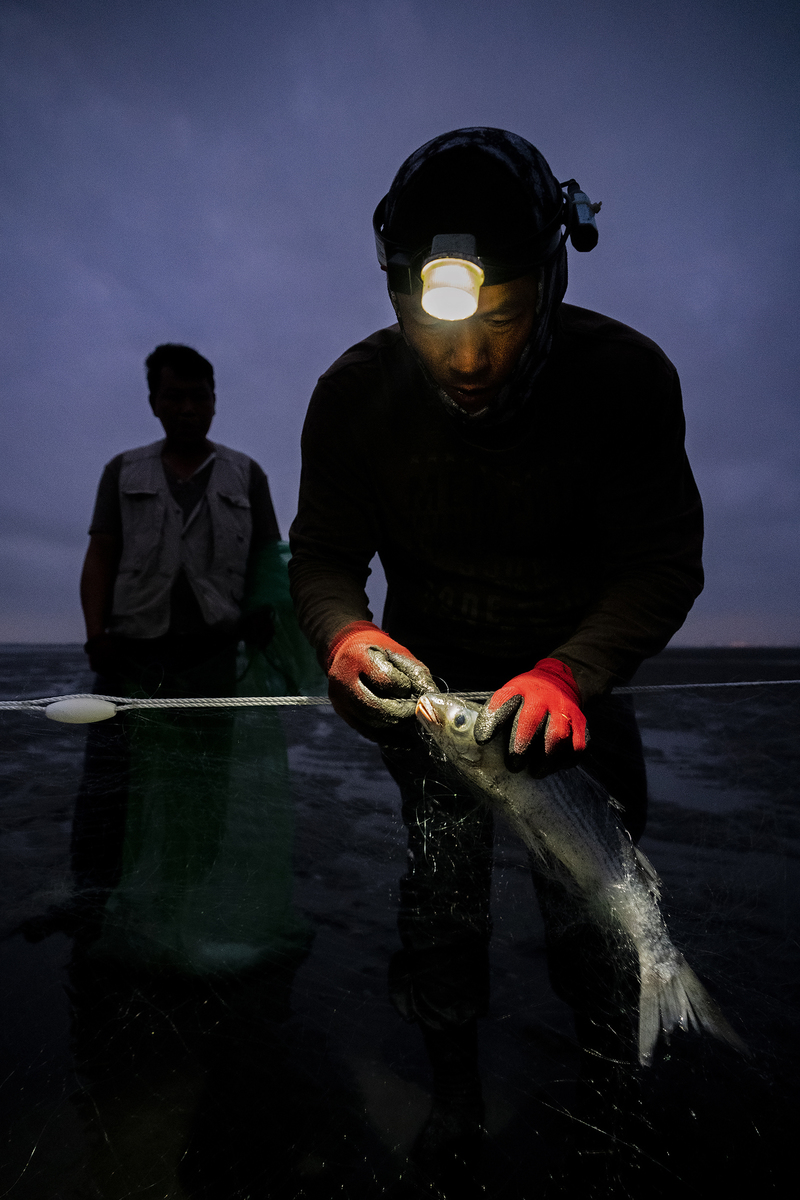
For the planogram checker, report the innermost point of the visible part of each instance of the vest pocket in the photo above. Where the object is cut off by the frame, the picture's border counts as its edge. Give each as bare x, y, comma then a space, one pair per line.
237, 522
142, 529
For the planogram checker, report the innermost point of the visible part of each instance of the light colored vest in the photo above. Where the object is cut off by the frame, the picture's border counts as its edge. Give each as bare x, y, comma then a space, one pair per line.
211, 549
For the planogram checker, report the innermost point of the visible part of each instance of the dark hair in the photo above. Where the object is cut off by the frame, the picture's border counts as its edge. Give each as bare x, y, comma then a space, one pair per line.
183, 360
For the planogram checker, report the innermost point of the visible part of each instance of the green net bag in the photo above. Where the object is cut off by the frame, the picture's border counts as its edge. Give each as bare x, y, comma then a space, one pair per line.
206, 883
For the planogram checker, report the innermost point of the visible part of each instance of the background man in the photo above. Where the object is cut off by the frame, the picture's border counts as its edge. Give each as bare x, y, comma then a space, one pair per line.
521, 472
179, 527
175, 526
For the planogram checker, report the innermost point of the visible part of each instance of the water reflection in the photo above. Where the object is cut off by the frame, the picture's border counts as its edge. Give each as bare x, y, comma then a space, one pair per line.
138, 1064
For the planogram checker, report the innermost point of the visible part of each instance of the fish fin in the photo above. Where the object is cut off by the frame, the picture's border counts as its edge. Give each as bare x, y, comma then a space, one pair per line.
678, 1001
649, 873
537, 852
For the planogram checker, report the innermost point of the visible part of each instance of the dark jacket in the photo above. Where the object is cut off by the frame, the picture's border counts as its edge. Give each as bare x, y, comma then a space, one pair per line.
574, 530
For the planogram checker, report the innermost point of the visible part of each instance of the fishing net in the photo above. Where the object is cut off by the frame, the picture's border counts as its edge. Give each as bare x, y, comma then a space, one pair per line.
208, 808
181, 1034
201, 804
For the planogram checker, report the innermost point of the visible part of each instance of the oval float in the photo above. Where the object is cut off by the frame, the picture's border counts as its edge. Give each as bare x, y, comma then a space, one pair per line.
80, 710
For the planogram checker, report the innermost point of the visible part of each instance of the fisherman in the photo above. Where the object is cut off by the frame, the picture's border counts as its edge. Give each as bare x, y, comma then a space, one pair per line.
518, 464
175, 525
177, 528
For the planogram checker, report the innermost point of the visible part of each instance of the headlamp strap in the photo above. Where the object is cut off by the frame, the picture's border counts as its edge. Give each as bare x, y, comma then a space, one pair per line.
576, 213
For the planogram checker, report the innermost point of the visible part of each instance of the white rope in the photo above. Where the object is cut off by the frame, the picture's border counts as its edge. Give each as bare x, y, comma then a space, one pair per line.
675, 687
125, 703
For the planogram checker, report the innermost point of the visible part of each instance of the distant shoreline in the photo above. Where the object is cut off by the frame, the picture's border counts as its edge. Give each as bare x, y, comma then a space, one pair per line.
680, 664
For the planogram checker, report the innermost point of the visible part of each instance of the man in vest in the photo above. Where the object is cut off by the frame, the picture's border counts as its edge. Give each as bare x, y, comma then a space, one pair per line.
175, 525
518, 464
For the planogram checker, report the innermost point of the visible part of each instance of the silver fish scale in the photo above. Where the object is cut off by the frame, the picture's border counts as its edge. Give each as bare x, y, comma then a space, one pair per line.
568, 819
568, 814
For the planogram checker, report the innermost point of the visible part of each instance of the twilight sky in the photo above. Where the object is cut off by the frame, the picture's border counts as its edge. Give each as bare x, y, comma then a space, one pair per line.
205, 171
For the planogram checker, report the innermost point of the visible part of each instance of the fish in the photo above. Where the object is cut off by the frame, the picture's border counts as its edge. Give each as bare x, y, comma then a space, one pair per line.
568, 819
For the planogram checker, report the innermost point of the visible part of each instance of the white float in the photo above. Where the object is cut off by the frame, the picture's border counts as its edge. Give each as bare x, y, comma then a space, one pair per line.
80, 710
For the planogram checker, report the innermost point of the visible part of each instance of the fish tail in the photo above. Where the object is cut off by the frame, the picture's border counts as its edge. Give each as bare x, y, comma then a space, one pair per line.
677, 1000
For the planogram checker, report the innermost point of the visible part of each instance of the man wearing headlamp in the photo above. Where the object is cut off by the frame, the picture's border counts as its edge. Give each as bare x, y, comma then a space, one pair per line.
518, 464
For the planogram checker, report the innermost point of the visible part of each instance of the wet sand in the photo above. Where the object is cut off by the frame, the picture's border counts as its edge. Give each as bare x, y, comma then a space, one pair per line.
121, 1083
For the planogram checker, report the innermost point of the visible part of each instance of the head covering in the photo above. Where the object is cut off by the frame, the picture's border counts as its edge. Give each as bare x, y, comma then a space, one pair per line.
498, 187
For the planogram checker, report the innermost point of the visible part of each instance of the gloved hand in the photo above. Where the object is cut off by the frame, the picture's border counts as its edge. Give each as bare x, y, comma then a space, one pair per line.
545, 700
373, 681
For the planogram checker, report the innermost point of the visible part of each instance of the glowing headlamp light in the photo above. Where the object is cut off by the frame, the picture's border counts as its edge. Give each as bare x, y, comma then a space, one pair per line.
452, 275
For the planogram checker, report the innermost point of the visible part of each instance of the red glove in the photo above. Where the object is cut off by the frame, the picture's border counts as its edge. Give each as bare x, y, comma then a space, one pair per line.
373, 681
547, 699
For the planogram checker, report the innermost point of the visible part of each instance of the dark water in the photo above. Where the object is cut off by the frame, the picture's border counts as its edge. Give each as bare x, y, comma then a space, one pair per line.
121, 1078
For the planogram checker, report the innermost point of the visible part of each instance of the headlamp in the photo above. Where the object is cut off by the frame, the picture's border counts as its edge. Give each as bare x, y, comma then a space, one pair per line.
452, 275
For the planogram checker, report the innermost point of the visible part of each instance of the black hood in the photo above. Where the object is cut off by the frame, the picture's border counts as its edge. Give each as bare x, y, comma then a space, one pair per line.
498, 187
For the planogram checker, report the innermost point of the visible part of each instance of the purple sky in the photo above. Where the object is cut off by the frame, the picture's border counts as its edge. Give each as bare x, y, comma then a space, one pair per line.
205, 171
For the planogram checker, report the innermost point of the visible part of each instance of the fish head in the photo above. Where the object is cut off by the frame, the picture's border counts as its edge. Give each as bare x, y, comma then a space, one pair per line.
451, 723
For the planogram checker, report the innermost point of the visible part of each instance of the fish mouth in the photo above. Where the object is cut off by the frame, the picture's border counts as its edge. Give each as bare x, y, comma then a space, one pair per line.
426, 710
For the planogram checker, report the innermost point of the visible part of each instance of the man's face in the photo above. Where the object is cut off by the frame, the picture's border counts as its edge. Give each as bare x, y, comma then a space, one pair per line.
185, 407
472, 359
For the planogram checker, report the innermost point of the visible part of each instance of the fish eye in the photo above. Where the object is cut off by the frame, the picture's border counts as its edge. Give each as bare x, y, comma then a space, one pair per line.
460, 721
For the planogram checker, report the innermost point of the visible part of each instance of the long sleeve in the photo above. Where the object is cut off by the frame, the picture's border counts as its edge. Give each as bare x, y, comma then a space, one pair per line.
574, 531
334, 535
649, 524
